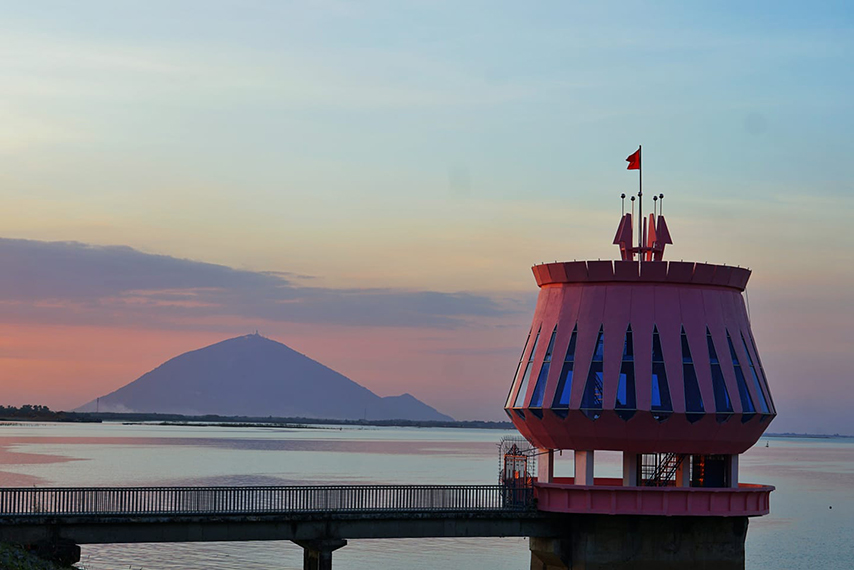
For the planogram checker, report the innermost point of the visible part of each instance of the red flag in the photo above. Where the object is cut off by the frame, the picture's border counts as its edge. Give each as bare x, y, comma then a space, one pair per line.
634, 161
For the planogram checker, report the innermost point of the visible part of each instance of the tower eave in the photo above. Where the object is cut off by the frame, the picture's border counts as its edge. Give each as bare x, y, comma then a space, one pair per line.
672, 272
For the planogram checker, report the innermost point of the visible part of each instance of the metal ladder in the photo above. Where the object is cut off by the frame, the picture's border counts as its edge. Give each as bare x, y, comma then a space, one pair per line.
666, 469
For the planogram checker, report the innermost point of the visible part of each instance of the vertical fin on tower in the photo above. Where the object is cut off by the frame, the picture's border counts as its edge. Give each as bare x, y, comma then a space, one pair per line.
662, 238
623, 238
650, 239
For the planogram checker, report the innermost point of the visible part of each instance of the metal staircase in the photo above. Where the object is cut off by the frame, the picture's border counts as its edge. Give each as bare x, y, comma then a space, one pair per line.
664, 470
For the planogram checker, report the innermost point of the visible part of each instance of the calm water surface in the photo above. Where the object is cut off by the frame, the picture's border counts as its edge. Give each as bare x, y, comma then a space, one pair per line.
802, 532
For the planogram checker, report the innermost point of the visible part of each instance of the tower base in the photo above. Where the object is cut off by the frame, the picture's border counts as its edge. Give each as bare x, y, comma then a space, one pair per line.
634, 542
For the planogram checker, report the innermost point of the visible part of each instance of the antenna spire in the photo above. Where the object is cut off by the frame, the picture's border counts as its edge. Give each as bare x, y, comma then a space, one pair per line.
634, 161
652, 234
641, 228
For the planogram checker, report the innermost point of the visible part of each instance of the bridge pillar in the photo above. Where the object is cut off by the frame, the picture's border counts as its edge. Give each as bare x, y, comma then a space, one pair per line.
62, 552
550, 553
317, 554
638, 542
583, 467
546, 466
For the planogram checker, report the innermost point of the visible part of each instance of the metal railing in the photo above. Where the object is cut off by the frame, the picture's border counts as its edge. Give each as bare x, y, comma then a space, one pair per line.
131, 501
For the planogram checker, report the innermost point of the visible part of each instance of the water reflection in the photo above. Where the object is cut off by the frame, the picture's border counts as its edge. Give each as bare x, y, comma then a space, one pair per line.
801, 533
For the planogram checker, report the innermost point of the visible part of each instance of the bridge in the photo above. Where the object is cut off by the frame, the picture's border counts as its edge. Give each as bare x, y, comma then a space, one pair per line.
655, 527
55, 521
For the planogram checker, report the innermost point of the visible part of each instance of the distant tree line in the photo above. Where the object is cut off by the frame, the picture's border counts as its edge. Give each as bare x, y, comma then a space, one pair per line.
26, 411
213, 418
36, 412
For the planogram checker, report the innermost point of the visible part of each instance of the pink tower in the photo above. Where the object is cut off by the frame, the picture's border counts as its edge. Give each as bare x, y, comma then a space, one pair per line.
650, 358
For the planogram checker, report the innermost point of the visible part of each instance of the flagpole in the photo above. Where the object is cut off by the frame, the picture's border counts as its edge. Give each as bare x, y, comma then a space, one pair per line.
640, 205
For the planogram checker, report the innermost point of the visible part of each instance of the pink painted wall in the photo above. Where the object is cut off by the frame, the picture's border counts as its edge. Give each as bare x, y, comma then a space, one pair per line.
669, 296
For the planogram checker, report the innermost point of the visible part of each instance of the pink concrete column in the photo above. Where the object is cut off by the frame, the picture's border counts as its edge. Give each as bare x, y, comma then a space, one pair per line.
683, 473
630, 469
583, 467
546, 466
732, 465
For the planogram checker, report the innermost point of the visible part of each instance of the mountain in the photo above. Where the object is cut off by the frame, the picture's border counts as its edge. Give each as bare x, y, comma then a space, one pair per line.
255, 376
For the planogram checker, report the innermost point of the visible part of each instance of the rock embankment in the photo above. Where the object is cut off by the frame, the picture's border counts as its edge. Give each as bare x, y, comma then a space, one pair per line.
16, 558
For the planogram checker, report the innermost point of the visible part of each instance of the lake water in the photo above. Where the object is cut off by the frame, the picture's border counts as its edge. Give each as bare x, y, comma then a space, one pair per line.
802, 531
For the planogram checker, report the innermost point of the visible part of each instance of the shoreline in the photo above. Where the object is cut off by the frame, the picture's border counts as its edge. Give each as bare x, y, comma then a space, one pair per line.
253, 421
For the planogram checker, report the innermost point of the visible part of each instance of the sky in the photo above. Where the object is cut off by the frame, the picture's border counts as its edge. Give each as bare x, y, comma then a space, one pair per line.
370, 182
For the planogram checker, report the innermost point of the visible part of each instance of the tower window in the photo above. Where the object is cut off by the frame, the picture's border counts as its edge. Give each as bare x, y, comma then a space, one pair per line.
723, 405
763, 404
564, 385
626, 404
540, 386
523, 387
518, 366
747, 406
694, 410
591, 401
762, 374
662, 407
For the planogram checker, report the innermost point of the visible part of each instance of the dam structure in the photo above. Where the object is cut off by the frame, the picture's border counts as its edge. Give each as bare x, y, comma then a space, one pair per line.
653, 359
656, 360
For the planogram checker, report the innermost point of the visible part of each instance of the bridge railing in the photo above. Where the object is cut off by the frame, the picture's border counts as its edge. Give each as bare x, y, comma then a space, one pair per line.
260, 500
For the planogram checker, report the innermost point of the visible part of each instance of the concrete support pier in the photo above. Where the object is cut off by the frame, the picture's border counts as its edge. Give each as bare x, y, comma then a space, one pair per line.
59, 551
317, 554
624, 542
630, 469
546, 466
583, 467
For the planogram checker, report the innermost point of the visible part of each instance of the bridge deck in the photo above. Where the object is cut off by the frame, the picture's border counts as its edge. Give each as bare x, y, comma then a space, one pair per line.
182, 514
133, 501
322, 518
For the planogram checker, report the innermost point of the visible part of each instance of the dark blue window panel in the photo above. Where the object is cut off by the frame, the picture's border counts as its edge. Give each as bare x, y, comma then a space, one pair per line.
662, 405
520, 395
762, 373
628, 346
657, 354
625, 389
518, 367
593, 391
591, 401
523, 387
713, 354
599, 353
763, 404
694, 409
540, 386
658, 395
686, 350
723, 405
550, 348
749, 410
564, 385
626, 403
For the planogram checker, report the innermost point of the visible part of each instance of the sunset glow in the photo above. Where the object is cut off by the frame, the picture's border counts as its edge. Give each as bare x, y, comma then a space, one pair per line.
371, 183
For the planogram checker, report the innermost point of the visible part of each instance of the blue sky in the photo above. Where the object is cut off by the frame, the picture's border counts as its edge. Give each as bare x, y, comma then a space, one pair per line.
435, 148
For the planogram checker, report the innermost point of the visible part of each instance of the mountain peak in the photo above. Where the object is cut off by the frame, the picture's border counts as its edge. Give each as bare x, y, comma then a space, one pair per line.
252, 375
